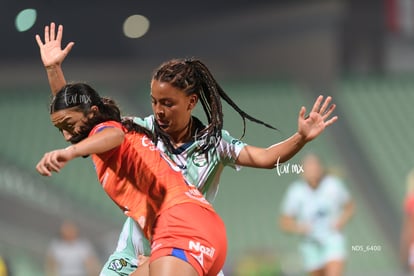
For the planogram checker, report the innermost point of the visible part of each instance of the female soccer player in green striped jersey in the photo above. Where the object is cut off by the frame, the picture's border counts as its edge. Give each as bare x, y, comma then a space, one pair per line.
202, 151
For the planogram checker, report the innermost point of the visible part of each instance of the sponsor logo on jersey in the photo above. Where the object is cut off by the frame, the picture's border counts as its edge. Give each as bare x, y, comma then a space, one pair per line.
235, 142
199, 258
202, 250
146, 142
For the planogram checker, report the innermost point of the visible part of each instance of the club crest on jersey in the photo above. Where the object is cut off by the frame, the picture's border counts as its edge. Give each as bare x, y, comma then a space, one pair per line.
117, 265
200, 160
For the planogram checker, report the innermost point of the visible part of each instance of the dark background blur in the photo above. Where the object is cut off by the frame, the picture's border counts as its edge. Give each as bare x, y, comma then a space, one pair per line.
271, 57
310, 40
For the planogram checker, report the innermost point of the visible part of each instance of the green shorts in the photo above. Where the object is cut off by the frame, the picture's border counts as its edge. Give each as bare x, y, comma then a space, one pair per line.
317, 253
131, 244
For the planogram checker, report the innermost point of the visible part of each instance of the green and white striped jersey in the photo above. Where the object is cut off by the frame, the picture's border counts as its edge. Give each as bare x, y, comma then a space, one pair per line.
202, 170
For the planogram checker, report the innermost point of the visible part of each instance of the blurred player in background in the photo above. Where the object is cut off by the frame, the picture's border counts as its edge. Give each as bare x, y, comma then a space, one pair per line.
70, 254
318, 207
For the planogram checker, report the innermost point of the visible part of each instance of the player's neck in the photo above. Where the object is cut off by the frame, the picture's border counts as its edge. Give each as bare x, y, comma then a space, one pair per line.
184, 136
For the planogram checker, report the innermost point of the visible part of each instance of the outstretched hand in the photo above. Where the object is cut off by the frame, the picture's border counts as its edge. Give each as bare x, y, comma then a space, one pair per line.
53, 161
318, 119
51, 51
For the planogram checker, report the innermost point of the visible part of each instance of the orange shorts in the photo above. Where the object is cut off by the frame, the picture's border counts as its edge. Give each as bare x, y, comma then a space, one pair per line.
192, 233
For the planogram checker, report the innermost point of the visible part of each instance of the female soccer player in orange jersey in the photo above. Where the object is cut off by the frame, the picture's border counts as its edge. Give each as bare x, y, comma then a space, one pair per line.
186, 234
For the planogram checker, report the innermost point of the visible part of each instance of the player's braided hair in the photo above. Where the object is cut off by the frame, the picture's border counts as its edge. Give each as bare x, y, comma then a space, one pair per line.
193, 76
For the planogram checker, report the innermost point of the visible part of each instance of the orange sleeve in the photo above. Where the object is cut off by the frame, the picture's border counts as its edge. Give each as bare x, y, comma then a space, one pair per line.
102, 126
409, 204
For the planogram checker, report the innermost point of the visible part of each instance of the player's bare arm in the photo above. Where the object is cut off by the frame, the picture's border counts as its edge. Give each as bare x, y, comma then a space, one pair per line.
53, 55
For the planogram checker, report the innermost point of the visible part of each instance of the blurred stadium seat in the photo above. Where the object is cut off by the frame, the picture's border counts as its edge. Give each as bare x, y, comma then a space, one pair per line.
248, 200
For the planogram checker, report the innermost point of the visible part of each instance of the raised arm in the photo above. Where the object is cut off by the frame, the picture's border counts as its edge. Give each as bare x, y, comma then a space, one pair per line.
52, 55
309, 127
101, 142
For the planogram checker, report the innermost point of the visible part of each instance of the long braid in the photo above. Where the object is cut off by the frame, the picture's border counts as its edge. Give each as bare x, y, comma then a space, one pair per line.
243, 114
160, 134
210, 100
218, 93
192, 76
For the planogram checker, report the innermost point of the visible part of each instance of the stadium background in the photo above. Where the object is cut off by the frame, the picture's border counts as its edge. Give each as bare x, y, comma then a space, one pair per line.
271, 57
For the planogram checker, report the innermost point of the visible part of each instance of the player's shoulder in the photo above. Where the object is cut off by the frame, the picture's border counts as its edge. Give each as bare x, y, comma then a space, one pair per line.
332, 180
227, 138
107, 124
147, 122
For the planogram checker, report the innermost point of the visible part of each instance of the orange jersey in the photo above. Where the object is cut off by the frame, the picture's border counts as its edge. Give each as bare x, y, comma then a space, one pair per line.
142, 180
409, 204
